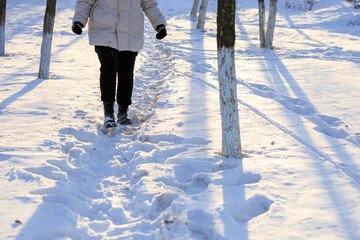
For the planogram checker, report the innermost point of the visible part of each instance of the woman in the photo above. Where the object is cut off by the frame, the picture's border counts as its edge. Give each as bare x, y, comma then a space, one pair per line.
116, 29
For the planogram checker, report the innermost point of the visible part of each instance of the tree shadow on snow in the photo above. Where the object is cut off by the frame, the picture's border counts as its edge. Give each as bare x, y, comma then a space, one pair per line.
281, 77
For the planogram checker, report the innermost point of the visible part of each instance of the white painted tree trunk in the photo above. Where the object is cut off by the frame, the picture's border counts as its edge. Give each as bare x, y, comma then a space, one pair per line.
49, 20
195, 8
45, 56
2, 26
202, 15
262, 30
231, 145
271, 24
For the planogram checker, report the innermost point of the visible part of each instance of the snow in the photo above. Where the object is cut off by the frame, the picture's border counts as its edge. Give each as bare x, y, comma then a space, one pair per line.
163, 177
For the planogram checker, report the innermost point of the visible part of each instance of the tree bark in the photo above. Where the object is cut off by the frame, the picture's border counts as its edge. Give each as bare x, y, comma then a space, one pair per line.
231, 145
2, 26
49, 21
202, 15
271, 24
195, 8
262, 23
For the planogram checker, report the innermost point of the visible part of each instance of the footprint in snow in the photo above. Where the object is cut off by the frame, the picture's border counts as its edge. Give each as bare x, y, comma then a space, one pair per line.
161, 202
200, 224
201, 180
246, 210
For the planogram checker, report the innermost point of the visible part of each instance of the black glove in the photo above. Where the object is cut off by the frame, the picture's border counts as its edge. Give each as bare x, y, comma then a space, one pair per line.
77, 28
161, 31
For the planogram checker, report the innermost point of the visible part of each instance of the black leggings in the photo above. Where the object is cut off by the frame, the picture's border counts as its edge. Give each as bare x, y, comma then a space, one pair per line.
121, 62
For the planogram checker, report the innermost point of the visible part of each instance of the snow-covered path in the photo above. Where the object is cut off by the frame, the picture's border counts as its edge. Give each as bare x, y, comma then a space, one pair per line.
163, 177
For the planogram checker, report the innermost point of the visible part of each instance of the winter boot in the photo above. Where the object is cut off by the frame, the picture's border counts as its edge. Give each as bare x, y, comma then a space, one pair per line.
123, 117
109, 120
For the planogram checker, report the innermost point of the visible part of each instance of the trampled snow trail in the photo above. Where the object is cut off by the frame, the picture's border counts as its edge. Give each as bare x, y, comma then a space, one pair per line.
133, 184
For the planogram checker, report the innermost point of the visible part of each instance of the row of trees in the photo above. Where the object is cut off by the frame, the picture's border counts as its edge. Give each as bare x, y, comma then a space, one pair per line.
49, 20
266, 34
231, 144
202, 13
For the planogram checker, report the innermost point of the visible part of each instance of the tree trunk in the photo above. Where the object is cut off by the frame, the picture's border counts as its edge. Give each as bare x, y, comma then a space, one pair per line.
262, 23
231, 145
356, 4
2, 26
271, 24
195, 8
202, 14
49, 20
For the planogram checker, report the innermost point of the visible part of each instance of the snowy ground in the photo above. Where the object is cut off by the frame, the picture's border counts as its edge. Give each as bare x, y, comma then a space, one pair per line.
163, 177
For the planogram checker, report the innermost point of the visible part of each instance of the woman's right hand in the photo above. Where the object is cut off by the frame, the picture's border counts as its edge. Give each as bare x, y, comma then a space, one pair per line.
161, 29
77, 28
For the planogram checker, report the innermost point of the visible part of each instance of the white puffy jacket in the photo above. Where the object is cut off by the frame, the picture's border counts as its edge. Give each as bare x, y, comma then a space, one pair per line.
118, 23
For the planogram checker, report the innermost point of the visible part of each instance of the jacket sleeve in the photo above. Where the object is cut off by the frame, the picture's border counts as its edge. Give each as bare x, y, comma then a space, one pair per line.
150, 8
82, 11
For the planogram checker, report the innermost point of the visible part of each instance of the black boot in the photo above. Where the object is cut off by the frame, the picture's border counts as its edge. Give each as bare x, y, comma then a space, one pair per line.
123, 117
109, 120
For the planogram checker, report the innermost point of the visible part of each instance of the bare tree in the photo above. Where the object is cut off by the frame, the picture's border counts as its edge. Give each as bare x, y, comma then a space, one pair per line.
262, 29
2, 26
202, 15
266, 38
271, 24
231, 145
195, 8
49, 20
356, 4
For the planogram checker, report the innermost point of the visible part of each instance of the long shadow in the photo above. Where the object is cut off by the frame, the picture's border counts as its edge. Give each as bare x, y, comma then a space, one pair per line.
28, 88
199, 69
34, 83
278, 72
301, 32
229, 201
312, 42
197, 60
15, 26
283, 73
341, 15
